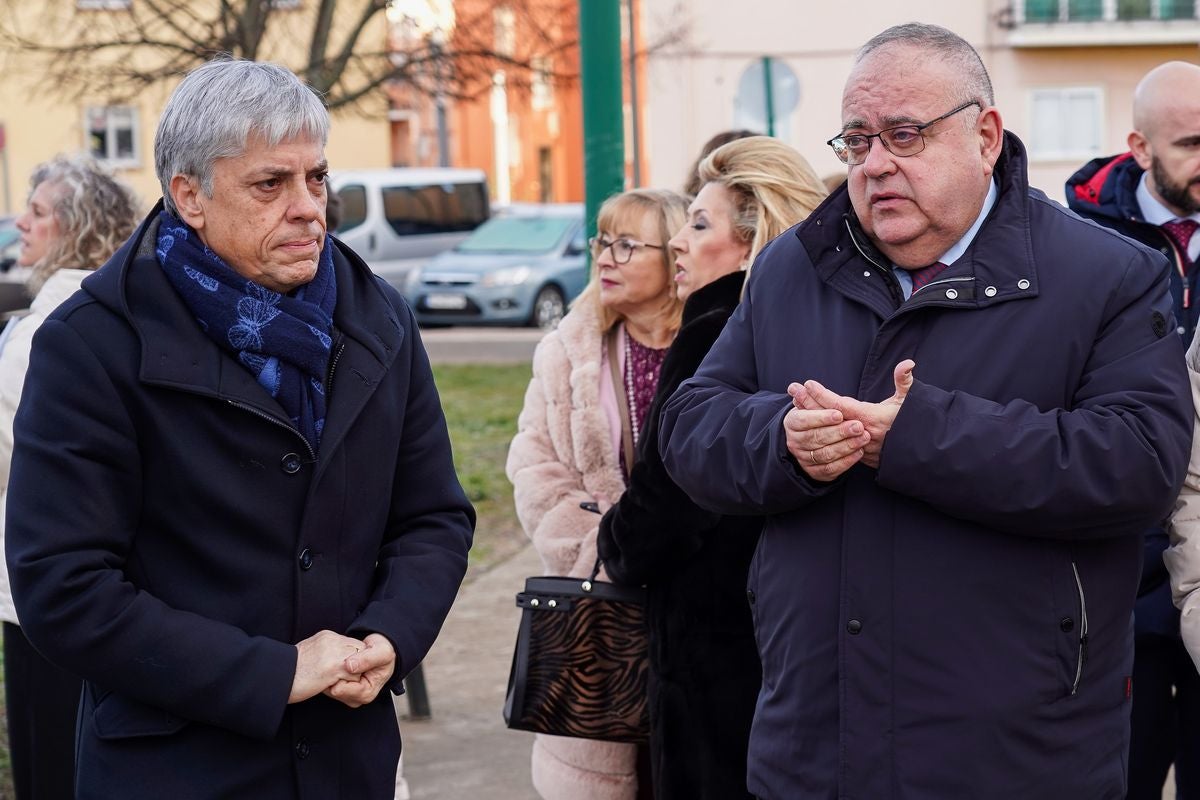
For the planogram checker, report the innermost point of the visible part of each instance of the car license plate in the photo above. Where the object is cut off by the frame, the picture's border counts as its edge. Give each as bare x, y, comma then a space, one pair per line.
446, 302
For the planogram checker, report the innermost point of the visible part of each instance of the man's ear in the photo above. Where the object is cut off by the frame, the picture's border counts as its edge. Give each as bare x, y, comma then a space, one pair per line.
1139, 145
991, 137
186, 192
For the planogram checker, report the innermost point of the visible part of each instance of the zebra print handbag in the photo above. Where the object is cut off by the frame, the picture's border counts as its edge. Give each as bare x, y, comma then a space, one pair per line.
580, 664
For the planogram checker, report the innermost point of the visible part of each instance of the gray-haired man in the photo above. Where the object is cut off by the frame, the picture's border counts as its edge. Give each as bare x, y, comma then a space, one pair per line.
233, 508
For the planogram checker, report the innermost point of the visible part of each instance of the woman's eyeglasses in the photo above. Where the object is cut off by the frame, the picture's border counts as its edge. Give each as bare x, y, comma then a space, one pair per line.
622, 249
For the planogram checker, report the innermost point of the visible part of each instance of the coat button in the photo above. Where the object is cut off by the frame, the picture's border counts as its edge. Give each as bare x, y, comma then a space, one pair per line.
1022, 284
853, 627
290, 463
951, 294
302, 749
1066, 624
990, 291
1181, 330
750, 596
306, 560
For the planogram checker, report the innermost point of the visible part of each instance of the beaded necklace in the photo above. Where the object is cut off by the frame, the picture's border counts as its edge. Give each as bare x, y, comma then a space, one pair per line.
629, 393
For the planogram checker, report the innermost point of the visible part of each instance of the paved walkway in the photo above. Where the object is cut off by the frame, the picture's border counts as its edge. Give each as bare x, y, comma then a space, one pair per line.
465, 751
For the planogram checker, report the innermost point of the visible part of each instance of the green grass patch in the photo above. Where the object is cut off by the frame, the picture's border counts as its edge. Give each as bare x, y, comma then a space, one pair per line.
481, 404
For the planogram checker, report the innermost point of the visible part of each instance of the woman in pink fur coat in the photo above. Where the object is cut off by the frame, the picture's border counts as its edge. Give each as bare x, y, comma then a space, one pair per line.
569, 445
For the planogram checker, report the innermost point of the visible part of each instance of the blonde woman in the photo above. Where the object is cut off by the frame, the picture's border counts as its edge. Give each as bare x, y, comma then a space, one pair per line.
570, 446
76, 218
705, 672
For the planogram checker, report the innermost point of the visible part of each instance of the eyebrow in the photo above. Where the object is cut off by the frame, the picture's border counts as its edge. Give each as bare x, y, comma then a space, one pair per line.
893, 121
1187, 141
283, 172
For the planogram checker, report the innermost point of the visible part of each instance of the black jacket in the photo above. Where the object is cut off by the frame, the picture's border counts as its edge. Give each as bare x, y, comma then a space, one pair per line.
1105, 190
170, 538
705, 673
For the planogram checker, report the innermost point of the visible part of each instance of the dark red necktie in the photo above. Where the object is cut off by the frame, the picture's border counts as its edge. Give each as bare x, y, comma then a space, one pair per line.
1180, 231
922, 276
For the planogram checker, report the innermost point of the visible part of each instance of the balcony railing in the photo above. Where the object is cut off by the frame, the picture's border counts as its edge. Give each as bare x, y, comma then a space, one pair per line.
1105, 10
1065, 23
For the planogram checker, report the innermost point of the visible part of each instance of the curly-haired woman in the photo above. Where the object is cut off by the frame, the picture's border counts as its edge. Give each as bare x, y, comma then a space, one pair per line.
76, 218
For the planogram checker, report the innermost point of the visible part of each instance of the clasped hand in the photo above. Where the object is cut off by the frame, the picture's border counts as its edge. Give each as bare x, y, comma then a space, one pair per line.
828, 433
351, 671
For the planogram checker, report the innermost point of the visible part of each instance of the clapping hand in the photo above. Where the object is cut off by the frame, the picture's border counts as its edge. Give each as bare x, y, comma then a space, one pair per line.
349, 670
828, 433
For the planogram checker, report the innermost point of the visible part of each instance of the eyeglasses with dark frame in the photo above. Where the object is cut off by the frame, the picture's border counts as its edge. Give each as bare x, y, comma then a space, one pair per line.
622, 248
902, 141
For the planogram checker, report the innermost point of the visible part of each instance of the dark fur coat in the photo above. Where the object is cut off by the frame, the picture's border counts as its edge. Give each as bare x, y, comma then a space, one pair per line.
705, 672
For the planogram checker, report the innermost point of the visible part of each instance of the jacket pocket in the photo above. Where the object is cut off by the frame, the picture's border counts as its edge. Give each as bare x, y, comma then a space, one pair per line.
1081, 654
116, 716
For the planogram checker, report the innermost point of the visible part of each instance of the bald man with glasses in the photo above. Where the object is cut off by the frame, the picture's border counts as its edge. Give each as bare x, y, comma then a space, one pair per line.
958, 406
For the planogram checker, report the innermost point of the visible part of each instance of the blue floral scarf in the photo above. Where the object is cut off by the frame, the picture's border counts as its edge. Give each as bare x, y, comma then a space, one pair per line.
284, 340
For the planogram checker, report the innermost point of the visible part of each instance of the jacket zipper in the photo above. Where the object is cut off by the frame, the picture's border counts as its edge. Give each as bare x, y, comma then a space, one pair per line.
338, 347
312, 456
1083, 630
892, 283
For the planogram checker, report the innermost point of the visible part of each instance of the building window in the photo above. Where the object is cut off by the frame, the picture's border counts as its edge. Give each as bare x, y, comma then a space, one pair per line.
542, 86
102, 5
112, 134
505, 31
1066, 123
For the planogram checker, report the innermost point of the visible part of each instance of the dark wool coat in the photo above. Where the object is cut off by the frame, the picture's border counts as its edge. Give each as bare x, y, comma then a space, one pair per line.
956, 623
704, 669
1105, 190
170, 537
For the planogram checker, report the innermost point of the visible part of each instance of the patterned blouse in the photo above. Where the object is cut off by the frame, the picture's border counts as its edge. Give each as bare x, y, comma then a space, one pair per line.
642, 367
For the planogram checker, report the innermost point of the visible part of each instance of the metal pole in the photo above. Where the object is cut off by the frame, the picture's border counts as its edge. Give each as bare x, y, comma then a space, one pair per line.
769, 95
603, 134
634, 108
418, 696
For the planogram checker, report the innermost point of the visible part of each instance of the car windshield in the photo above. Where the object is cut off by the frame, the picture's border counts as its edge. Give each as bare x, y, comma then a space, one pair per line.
516, 235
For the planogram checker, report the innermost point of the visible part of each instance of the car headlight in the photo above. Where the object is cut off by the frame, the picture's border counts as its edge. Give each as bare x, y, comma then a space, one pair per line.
509, 276
412, 279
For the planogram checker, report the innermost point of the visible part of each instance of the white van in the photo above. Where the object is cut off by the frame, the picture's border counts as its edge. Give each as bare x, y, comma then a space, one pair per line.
396, 219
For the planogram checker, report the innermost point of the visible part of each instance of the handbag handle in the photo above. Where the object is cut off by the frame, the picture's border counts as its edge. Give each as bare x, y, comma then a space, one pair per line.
618, 383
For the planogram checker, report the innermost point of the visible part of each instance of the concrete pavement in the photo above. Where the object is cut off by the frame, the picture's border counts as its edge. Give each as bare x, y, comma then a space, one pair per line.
481, 345
464, 751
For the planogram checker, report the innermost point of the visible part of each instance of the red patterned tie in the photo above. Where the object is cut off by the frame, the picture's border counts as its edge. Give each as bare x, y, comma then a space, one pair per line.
922, 276
1180, 231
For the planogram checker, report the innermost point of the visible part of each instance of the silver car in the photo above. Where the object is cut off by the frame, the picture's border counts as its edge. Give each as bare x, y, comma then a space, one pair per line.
522, 267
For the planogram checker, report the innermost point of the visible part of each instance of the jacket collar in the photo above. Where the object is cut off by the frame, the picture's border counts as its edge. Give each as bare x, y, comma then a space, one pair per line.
724, 292
176, 354
999, 264
1107, 187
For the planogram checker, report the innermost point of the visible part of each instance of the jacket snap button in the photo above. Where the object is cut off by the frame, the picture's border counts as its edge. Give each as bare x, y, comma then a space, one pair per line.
1067, 624
951, 294
290, 463
1181, 330
853, 627
1022, 284
750, 597
302, 749
306, 560
990, 291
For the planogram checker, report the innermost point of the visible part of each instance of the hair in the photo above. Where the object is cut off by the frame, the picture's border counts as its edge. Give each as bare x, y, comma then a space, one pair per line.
949, 46
670, 210
694, 184
771, 185
216, 109
95, 213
